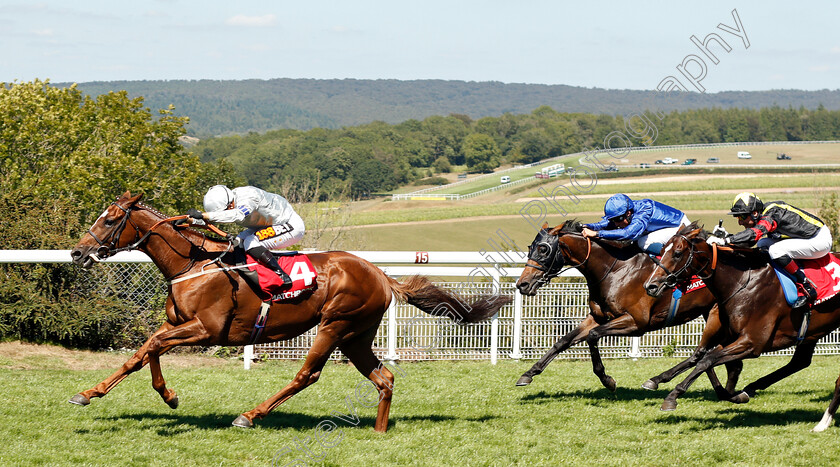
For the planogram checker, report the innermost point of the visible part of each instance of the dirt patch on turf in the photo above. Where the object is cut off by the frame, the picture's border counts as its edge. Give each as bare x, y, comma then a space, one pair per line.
23, 356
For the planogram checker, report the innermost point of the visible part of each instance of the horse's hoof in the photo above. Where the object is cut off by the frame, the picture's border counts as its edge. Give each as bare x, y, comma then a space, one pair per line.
173, 403
524, 380
741, 398
650, 385
243, 422
79, 399
668, 406
609, 383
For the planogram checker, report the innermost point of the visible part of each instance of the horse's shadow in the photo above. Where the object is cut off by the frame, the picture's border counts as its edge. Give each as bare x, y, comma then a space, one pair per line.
603, 394
169, 424
724, 415
744, 417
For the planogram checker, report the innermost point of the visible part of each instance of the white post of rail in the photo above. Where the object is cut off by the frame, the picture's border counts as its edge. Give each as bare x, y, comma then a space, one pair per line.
248, 355
494, 323
516, 353
635, 348
392, 330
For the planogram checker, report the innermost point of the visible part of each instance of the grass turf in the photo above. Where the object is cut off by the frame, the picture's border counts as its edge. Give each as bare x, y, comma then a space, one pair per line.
443, 413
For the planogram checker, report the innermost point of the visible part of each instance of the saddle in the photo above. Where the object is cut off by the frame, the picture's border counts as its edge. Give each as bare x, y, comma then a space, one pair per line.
268, 284
823, 272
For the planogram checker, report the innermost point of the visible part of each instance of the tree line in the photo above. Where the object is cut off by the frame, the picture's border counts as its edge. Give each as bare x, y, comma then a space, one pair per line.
379, 156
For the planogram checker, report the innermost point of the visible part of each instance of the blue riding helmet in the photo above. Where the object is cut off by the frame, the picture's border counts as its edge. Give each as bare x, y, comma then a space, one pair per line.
617, 205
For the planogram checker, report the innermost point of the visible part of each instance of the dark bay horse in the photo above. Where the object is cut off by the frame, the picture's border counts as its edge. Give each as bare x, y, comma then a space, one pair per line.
615, 274
218, 306
752, 308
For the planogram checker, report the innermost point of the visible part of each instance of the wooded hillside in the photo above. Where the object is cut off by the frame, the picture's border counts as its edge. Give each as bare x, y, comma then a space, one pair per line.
238, 107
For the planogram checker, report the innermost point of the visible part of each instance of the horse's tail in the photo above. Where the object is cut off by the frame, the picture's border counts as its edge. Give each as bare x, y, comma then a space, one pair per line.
420, 292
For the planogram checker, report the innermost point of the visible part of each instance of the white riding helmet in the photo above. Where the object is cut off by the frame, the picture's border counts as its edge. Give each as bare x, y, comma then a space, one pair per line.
217, 198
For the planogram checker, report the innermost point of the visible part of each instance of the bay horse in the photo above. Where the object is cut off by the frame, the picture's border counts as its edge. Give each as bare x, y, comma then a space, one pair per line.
615, 273
210, 305
752, 307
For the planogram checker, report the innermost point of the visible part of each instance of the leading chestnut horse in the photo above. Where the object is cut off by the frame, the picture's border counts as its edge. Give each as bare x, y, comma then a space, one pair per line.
752, 306
615, 273
212, 305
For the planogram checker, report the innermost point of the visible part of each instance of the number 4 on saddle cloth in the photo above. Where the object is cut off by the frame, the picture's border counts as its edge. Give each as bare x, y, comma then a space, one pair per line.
295, 264
823, 272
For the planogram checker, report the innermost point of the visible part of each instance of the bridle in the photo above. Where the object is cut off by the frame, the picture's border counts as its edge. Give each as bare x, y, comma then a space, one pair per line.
108, 244
673, 278
554, 250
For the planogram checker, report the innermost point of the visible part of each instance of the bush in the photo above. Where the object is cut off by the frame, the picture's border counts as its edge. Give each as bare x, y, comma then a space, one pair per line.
53, 302
431, 181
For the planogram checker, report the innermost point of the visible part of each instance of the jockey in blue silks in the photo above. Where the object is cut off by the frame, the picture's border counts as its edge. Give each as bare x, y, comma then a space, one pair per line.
649, 223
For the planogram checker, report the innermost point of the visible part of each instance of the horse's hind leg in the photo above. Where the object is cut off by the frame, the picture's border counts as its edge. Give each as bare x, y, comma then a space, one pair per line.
359, 352
801, 359
570, 339
828, 416
136, 362
316, 358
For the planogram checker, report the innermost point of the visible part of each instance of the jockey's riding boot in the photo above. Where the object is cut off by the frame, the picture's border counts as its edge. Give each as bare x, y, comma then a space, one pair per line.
807, 286
803, 282
261, 254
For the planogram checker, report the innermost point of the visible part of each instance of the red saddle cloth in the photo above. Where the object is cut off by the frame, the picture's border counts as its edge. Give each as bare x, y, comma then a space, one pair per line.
299, 269
824, 273
692, 285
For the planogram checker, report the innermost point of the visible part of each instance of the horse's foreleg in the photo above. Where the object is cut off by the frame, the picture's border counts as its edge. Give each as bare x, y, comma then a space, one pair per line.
801, 359
359, 352
136, 362
316, 358
573, 337
738, 350
192, 332
624, 325
828, 416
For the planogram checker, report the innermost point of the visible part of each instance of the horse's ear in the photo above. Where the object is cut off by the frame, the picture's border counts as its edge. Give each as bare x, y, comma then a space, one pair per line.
131, 199
556, 230
545, 226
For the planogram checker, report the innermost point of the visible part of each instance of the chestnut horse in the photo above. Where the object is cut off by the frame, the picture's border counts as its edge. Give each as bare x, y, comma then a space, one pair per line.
752, 307
615, 274
212, 305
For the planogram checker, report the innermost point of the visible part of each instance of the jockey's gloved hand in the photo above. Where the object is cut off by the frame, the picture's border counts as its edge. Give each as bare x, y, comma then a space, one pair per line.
195, 213
719, 231
716, 241
179, 222
234, 240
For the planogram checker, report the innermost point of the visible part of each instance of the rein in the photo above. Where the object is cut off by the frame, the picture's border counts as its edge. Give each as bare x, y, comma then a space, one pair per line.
107, 245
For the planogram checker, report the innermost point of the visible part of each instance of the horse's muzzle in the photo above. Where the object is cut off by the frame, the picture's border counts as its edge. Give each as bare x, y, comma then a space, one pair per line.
654, 290
528, 288
83, 259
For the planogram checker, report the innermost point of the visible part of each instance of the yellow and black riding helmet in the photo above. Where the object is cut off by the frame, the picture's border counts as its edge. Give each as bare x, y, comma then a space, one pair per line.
745, 204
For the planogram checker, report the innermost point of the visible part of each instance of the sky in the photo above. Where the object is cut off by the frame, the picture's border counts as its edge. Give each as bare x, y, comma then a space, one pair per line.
612, 45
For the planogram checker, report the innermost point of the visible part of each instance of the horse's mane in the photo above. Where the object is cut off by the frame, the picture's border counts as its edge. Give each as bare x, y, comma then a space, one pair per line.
570, 226
183, 229
152, 210
619, 249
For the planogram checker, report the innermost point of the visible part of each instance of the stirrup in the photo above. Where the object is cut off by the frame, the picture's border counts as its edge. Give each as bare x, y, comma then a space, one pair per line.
809, 293
286, 279
801, 301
